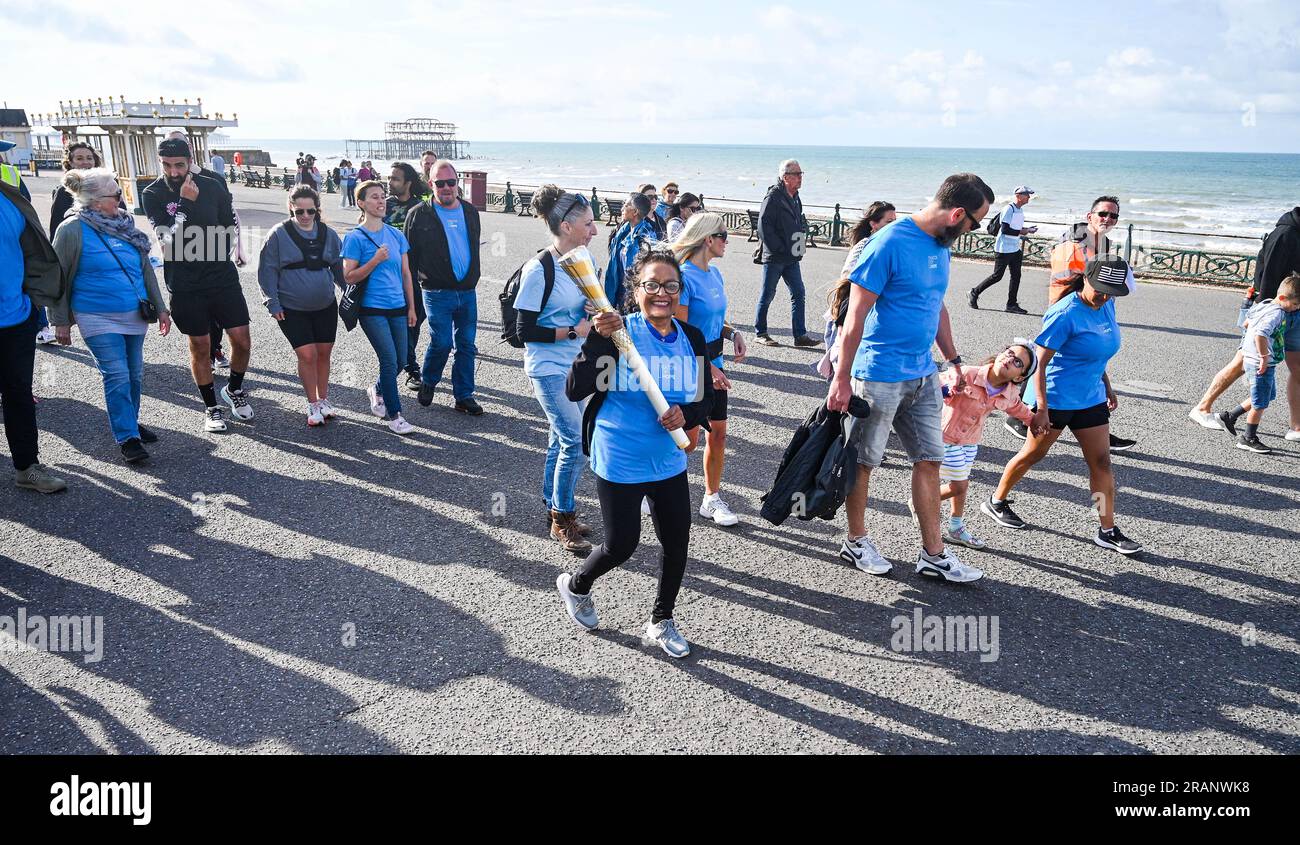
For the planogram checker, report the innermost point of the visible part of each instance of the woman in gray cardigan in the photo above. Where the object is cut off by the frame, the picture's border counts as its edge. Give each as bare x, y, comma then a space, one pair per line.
112, 295
300, 264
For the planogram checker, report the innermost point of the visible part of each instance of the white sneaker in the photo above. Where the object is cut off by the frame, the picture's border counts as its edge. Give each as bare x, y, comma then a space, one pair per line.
864, 555
377, 406
947, 566
214, 419
400, 426
46, 336
238, 403
666, 636
645, 506
1292, 435
714, 508
1204, 419
314, 415
327, 410
581, 609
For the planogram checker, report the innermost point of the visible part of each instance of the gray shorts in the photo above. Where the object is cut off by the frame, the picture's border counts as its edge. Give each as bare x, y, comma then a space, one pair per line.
914, 409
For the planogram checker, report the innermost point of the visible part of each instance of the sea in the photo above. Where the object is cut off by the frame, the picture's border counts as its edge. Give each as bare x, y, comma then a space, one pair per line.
1221, 201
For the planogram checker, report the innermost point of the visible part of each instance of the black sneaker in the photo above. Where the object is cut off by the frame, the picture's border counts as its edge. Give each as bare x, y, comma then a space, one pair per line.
807, 340
1013, 308
1002, 514
133, 452
765, 340
1225, 419
1121, 444
146, 435
1017, 428
1115, 539
974, 299
1252, 444
469, 406
413, 381
425, 396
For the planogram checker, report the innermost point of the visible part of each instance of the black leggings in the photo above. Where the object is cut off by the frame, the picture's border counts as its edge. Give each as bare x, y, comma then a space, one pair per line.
620, 508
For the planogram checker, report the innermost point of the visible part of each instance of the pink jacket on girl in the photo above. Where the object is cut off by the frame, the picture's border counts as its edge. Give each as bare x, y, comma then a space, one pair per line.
964, 413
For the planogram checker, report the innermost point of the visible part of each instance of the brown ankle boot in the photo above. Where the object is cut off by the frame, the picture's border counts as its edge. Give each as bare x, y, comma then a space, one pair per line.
583, 528
564, 529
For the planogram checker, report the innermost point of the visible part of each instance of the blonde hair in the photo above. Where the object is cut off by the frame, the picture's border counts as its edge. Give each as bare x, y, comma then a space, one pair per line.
87, 186
698, 230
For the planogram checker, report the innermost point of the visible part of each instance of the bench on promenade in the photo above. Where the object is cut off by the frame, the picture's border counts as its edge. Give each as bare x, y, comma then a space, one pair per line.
253, 179
753, 224
523, 203
817, 229
615, 209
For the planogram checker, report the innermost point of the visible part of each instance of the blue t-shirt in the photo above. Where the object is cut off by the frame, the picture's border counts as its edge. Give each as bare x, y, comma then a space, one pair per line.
15, 307
1085, 339
453, 221
706, 297
100, 287
564, 308
385, 289
908, 270
628, 445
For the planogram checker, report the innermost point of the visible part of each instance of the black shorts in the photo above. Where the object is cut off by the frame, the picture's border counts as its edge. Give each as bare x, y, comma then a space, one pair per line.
719, 411
195, 312
1079, 420
304, 327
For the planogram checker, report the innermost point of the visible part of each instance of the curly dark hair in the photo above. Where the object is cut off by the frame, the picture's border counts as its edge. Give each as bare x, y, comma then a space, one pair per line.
409, 173
647, 256
80, 145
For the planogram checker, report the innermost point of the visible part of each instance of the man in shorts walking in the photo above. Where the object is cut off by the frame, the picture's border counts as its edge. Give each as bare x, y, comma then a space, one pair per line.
896, 313
195, 221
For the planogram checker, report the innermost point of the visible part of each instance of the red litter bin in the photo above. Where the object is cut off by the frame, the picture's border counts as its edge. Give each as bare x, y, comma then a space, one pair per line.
473, 184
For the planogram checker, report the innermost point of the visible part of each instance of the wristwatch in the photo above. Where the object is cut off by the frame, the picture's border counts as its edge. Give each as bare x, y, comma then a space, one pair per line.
955, 360
573, 332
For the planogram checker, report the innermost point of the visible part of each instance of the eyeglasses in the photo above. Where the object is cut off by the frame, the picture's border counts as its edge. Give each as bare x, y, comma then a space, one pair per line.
1015, 360
304, 212
975, 221
444, 183
117, 196
1107, 215
672, 191
694, 208
670, 288
794, 173
651, 197
722, 236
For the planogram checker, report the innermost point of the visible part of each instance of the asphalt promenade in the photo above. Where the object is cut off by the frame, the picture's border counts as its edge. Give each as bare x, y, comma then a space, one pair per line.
284, 589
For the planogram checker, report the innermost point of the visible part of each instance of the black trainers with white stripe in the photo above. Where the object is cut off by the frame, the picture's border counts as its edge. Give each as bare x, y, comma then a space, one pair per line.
1002, 514
1115, 539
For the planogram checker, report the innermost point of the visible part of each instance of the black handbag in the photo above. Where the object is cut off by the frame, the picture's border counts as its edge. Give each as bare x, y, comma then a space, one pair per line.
148, 311
350, 301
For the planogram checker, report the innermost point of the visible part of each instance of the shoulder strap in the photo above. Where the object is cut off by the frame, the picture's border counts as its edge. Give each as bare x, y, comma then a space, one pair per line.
109, 247
547, 261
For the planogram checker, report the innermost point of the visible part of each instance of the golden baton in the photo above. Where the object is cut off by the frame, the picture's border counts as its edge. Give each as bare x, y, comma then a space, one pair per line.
581, 268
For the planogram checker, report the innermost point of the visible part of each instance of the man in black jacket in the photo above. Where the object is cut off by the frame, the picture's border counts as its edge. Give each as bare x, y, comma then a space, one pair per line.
194, 219
1278, 258
784, 235
444, 257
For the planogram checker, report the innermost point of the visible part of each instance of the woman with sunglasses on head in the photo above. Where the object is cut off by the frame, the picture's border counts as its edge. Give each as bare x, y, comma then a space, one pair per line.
553, 324
703, 304
300, 265
994, 384
112, 296
1070, 389
376, 253
680, 212
633, 456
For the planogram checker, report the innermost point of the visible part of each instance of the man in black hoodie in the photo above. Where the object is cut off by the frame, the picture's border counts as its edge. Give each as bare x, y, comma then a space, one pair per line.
784, 235
194, 219
1278, 258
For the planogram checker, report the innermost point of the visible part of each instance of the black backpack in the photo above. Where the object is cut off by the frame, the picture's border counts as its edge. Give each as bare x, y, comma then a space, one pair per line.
509, 316
995, 225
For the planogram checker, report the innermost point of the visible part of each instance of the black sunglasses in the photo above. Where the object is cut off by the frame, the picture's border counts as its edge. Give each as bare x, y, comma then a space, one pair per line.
309, 212
444, 183
1107, 215
722, 236
973, 219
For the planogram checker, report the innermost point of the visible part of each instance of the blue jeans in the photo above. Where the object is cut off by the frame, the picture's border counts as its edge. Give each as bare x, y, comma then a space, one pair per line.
453, 322
564, 448
120, 358
388, 336
412, 364
773, 273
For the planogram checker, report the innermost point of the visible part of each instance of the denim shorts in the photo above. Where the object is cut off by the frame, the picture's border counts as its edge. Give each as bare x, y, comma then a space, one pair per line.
1263, 389
913, 408
1291, 339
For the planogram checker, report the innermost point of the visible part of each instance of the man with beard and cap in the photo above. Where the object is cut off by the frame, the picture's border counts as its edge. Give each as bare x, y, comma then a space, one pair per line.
896, 313
195, 222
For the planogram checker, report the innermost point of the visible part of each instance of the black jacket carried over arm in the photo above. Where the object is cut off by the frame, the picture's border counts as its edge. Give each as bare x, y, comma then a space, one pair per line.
1279, 257
781, 226
430, 256
591, 373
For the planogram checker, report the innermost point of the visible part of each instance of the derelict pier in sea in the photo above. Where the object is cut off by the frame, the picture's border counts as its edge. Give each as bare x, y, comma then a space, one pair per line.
406, 139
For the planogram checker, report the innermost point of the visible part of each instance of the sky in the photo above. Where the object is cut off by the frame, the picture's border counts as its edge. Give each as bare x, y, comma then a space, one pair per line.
1204, 75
